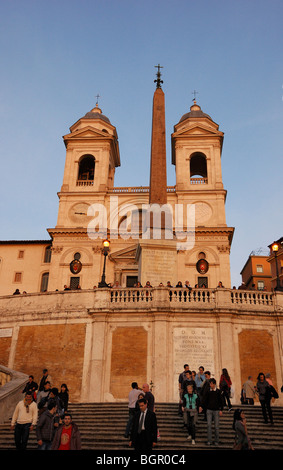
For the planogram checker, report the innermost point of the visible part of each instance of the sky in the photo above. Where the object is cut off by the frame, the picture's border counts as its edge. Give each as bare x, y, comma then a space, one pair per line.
57, 55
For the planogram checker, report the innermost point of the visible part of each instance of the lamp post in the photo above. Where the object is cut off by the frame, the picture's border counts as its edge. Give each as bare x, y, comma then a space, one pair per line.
275, 248
106, 245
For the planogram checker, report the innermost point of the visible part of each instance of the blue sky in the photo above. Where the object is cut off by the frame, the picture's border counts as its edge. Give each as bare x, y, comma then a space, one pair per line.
56, 56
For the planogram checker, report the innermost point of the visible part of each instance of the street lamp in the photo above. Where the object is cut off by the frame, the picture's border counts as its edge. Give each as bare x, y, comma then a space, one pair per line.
275, 248
106, 245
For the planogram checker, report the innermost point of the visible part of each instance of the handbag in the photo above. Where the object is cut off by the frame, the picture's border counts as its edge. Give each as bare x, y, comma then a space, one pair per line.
273, 392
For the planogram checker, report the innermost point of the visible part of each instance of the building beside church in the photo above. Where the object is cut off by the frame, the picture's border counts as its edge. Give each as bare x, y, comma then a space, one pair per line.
100, 339
276, 264
256, 273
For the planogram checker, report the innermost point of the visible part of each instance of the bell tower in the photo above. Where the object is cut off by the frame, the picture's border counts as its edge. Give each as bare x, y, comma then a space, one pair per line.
196, 153
92, 154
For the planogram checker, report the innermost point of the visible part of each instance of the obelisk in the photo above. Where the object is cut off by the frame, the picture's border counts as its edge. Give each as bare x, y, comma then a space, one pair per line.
158, 178
156, 251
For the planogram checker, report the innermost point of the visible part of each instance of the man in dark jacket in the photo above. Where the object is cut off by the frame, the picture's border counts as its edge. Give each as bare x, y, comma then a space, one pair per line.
67, 436
212, 401
144, 430
203, 392
148, 395
46, 427
31, 386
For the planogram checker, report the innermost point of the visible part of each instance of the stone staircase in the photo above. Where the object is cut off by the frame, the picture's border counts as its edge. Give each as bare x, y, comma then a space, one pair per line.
102, 427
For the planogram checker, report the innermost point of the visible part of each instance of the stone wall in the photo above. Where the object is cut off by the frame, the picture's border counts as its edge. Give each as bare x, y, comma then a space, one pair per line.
58, 348
99, 342
257, 354
128, 360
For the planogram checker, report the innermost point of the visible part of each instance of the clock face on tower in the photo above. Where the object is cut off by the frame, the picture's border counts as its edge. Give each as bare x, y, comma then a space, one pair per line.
78, 214
203, 212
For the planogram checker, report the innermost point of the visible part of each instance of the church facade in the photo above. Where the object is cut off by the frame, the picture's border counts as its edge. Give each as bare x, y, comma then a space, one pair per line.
80, 311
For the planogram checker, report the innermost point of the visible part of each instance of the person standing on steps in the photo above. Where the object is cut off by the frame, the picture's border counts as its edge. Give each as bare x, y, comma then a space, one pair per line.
214, 405
199, 379
242, 440
225, 388
31, 386
46, 427
148, 395
249, 391
67, 436
182, 378
144, 430
203, 392
24, 420
190, 410
133, 397
64, 396
45, 378
264, 394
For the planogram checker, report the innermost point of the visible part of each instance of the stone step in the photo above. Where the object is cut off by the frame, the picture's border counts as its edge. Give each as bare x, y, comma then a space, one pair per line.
102, 427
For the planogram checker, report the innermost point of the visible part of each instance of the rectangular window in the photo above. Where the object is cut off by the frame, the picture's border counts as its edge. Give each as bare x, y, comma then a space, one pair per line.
18, 277
260, 285
131, 281
259, 268
74, 282
21, 254
202, 282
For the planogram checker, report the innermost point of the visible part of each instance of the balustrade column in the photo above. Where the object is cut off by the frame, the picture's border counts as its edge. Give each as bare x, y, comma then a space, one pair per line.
223, 298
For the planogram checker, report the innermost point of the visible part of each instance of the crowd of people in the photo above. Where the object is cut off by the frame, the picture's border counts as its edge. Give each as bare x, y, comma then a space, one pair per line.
186, 285
45, 408
137, 285
200, 397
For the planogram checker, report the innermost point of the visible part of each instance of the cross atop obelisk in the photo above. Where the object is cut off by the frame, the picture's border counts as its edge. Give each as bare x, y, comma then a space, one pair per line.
158, 81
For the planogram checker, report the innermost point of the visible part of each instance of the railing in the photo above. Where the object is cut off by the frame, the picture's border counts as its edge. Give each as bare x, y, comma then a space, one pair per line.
251, 297
131, 295
10, 391
5, 377
136, 189
199, 180
188, 297
191, 295
75, 303
174, 295
85, 183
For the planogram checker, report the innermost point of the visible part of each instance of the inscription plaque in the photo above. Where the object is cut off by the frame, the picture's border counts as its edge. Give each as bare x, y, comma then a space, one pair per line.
193, 346
6, 332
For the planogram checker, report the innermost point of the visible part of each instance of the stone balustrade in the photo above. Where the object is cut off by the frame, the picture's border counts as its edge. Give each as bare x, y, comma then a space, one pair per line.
5, 377
156, 298
136, 189
10, 391
251, 297
199, 180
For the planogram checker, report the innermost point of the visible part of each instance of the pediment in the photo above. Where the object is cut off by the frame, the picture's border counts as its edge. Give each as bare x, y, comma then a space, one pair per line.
86, 133
126, 255
198, 130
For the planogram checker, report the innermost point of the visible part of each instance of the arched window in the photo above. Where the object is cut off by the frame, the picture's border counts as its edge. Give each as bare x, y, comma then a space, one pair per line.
86, 170
198, 168
47, 254
44, 282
